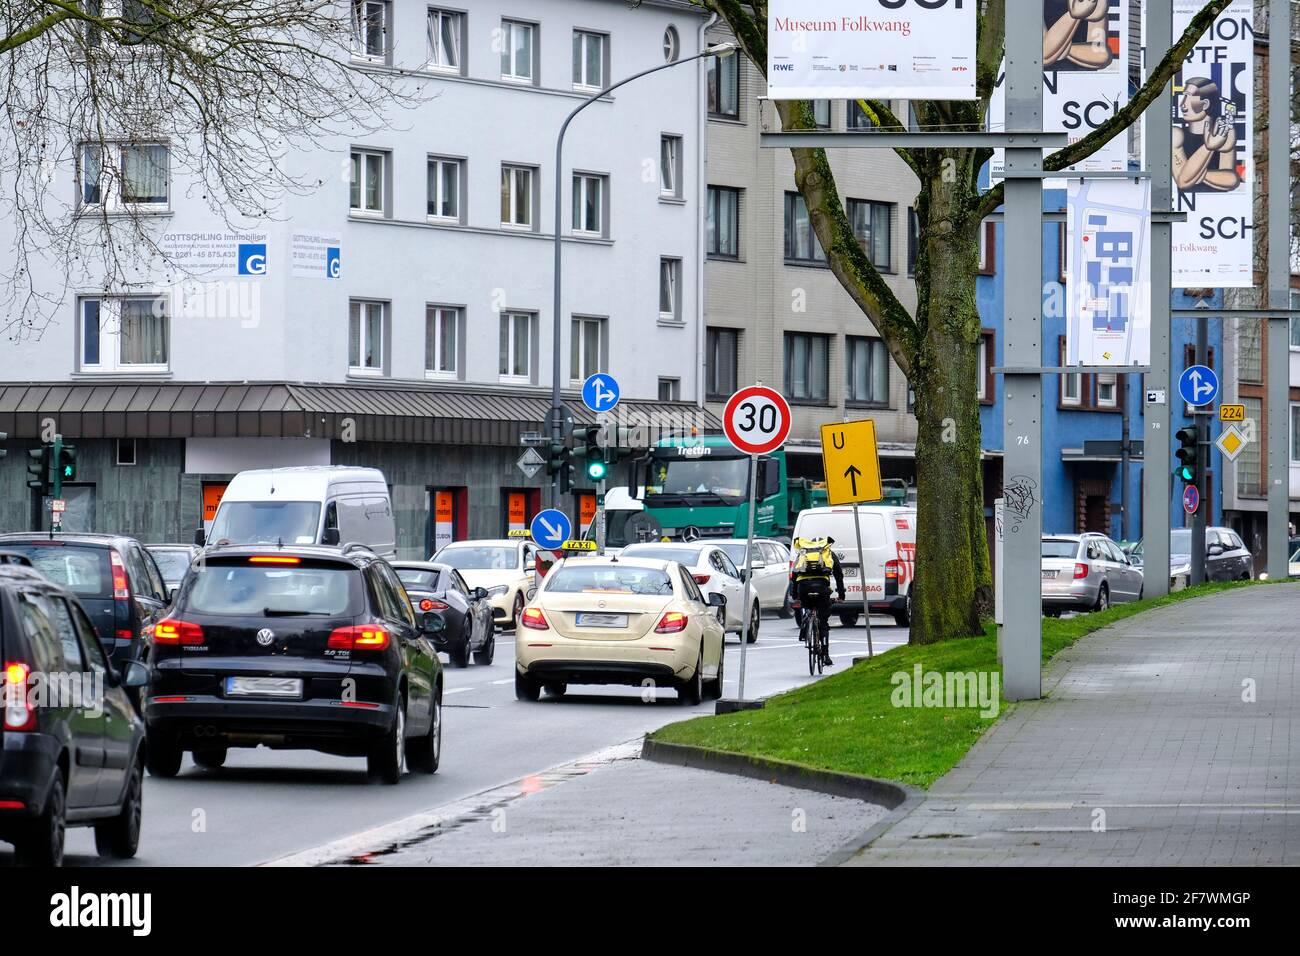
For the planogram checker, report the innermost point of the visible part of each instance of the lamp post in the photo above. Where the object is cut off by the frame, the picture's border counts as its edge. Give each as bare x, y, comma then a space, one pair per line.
557, 413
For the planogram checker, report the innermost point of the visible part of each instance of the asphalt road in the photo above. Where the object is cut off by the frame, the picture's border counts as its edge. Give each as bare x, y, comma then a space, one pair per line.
265, 804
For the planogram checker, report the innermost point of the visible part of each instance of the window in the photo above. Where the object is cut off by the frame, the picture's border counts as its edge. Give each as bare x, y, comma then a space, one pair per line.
124, 334
670, 166
672, 45
1071, 383
367, 186
370, 29
126, 451
1060, 252
441, 341
866, 371
118, 175
987, 264
1250, 463
870, 221
1089, 391
670, 389
517, 41
913, 240
670, 302
585, 343
801, 243
723, 224
1295, 434
724, 86
517, 196
1295, 321
822, 113
1107, 389
807, 367
590, 53
589, 204
366, 338
444, 189
446, 38
984, 371
516, 347
857, 117
722, 350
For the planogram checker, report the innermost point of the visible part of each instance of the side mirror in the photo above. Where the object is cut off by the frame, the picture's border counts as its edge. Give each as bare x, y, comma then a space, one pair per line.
479, 594
1214, 550
200, 537
171, 595
530, 593
134, 674
717, 600
432, 623
330, 536
744, 573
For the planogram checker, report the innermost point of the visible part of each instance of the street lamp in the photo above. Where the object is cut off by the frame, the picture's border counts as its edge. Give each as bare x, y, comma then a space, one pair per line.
557, 414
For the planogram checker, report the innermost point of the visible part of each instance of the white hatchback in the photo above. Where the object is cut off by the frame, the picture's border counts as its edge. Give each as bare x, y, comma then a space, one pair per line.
713, 571
769, 561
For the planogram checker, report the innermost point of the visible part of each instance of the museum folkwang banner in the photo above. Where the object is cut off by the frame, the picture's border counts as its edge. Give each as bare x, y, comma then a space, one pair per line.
871, 49
1214, 100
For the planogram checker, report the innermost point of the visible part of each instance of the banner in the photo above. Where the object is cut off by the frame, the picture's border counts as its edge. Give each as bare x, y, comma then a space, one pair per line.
1214, 101
871, 49
314, 255
216, 254
1107, 282
1085, 80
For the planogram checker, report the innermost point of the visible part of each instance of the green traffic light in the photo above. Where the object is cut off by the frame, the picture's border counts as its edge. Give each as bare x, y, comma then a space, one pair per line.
596, 470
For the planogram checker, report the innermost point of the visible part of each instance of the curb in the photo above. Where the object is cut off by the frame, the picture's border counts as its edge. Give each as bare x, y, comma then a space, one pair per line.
898, 798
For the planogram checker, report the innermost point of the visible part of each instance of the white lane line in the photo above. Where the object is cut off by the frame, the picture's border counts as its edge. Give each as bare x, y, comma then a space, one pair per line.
456, 690
508, 680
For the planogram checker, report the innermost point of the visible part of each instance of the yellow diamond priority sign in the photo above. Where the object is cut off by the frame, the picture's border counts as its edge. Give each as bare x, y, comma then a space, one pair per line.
1231, 442
851, 461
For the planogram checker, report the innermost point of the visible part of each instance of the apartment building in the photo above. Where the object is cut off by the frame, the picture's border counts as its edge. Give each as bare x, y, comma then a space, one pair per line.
400, 314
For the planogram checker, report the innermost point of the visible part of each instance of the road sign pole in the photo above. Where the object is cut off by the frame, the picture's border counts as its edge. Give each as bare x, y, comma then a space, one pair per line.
749, 573
57, 454
862, 580
1279, 292
1202, 422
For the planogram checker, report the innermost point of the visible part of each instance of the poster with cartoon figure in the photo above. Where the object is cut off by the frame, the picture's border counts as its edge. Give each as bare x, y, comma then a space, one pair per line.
1213, 100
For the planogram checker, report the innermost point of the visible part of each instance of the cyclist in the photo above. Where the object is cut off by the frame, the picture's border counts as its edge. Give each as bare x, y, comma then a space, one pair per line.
814, 566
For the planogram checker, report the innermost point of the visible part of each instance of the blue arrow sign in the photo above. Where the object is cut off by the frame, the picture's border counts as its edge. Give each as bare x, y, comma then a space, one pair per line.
551, 528
600, 392
1198, 385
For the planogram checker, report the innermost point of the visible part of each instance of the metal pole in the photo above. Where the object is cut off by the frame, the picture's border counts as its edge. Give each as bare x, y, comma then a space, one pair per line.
1022, 475
1279, 194
749, 573
1156, 455
600, 516
1202, 423
862, 580
1125, 461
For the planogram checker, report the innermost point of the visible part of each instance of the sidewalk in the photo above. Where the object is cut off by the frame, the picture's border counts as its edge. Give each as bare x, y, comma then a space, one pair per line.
1142, 753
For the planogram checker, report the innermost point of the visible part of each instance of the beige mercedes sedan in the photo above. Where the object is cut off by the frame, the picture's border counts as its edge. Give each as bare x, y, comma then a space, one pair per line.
640, 621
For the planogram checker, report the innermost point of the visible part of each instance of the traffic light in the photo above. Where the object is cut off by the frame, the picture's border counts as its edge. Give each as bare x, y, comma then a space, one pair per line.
1188, 454
559, 462
38, 469
587, 446
67, 463
4, 437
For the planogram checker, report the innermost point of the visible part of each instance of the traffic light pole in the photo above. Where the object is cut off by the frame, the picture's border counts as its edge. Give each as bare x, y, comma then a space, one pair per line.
1201, 420
57, 483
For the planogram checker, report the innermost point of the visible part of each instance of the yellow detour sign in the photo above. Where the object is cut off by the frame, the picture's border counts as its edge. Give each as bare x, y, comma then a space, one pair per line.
851, 462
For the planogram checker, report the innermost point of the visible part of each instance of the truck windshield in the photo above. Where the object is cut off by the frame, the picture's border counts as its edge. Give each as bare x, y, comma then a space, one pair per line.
266, 522
712, 478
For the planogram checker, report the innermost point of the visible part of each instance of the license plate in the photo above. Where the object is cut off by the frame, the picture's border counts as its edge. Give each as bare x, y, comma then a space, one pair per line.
588, 619
850, 572
1049, 574
264, 687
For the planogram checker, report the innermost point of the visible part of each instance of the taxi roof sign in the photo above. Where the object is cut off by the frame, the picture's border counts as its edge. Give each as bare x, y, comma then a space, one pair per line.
578, 545
519, 533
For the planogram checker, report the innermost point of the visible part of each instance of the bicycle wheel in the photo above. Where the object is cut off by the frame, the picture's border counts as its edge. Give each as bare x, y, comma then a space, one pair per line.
810, 633
821, 647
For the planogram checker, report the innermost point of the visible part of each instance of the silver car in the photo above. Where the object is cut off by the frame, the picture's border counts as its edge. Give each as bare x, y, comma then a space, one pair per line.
1086, 572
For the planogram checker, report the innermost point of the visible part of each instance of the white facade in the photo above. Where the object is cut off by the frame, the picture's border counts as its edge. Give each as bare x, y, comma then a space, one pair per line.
409, 275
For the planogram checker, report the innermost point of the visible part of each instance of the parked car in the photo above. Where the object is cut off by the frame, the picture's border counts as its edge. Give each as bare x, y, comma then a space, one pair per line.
888, 552
173, 561
466, 610
770, 562
116, 580
1226, 557
313, 504
304, 648
714, 572
621, 620
75, 757
1293, 566
504, 567
1086, 572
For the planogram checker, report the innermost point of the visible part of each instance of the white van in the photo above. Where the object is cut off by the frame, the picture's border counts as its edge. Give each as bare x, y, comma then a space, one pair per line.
315, 504
888, 550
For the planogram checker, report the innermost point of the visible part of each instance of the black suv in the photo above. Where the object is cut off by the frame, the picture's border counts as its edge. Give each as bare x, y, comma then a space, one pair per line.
114, 577
299, 648
71, 743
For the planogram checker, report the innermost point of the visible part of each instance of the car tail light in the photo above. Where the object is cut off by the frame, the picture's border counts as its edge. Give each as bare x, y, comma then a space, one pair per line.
1080, 570
176, 631
534, 618
358, 637
428, 604
12, 805
121, 586
19, 714
892, 569
671, 623
701, 578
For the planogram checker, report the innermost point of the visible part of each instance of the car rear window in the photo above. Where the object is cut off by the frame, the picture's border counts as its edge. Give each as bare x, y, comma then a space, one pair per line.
418, 578
1060, 548
84, 571
686, 556
609, 579
240, 588
480, 557
172, 564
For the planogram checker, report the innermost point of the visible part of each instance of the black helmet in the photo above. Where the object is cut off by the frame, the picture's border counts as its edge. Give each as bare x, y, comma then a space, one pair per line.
830, 540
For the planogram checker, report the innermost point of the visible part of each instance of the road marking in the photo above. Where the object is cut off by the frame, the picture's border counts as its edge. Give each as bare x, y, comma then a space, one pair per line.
508, 680
456, 690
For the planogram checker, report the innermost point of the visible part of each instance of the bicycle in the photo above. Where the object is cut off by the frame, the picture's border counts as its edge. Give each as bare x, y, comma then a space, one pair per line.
812, 633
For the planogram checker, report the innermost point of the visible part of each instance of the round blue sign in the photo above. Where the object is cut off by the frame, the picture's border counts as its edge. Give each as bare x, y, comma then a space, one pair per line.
600, 392
1191, 499
551, 528
1198, 385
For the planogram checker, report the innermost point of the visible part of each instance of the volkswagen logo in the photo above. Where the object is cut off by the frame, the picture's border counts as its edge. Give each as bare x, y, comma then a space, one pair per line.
691, 533
600, 604
265, 636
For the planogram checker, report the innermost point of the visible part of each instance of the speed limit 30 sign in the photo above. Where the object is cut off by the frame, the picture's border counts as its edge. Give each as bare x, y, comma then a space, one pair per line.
756, 420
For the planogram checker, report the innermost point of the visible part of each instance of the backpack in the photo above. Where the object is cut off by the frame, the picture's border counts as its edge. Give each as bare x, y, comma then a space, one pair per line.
813, 557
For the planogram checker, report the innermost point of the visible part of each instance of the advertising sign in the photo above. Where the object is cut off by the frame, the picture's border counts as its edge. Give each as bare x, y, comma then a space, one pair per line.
444, 503
1107, 281
216, 254
1213, 112
1085, 81
314, 255
871, 49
